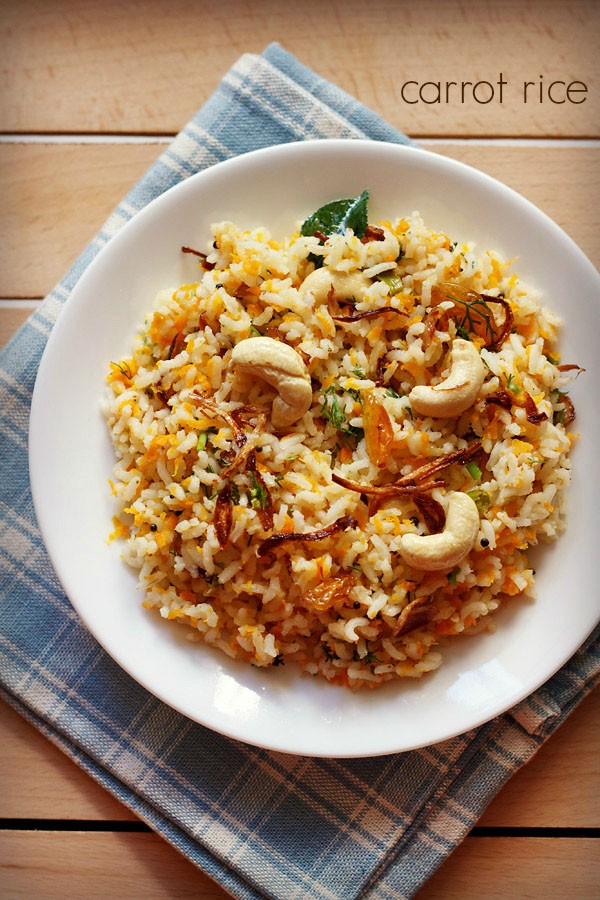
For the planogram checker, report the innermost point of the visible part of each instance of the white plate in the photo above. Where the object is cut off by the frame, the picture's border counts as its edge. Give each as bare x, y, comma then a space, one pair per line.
71, 456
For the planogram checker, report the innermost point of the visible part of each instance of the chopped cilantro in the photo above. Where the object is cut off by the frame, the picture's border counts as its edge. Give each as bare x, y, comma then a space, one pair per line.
473, 309
124, 369
512, 385
332, 411
258, 496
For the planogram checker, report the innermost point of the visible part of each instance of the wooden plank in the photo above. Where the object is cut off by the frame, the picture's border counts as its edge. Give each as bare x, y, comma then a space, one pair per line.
138, 67
44, 783
524, 868
57, 196
55, 199
60, 864
557, 789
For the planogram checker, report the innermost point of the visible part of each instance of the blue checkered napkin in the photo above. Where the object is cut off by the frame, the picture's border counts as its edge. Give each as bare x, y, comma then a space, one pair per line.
260, 823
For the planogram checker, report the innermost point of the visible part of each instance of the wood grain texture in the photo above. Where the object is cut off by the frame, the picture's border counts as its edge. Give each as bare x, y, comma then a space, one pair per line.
37, 780
119, 866
138, 66
11, 318
70, 866
56, 197
559, 788
520, 868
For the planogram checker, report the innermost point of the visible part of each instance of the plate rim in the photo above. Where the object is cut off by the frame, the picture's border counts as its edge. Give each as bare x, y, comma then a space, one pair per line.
71, 308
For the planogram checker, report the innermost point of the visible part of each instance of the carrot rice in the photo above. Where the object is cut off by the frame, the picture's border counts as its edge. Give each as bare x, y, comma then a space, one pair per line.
334, 606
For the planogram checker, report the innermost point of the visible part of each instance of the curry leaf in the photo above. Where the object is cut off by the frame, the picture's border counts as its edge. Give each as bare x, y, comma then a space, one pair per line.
335, 217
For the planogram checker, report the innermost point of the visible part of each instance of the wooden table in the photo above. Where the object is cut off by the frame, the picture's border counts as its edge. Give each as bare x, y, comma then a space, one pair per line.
92, 92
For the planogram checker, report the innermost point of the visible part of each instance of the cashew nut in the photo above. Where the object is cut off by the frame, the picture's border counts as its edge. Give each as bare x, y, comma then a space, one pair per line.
283, 368
458, 391
346, 285
431, 552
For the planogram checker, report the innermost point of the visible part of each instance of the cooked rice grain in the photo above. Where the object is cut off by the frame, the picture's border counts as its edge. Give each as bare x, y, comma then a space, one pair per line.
173, 457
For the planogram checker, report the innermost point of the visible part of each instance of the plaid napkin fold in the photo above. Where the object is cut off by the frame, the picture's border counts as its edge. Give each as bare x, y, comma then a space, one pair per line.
261, 824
